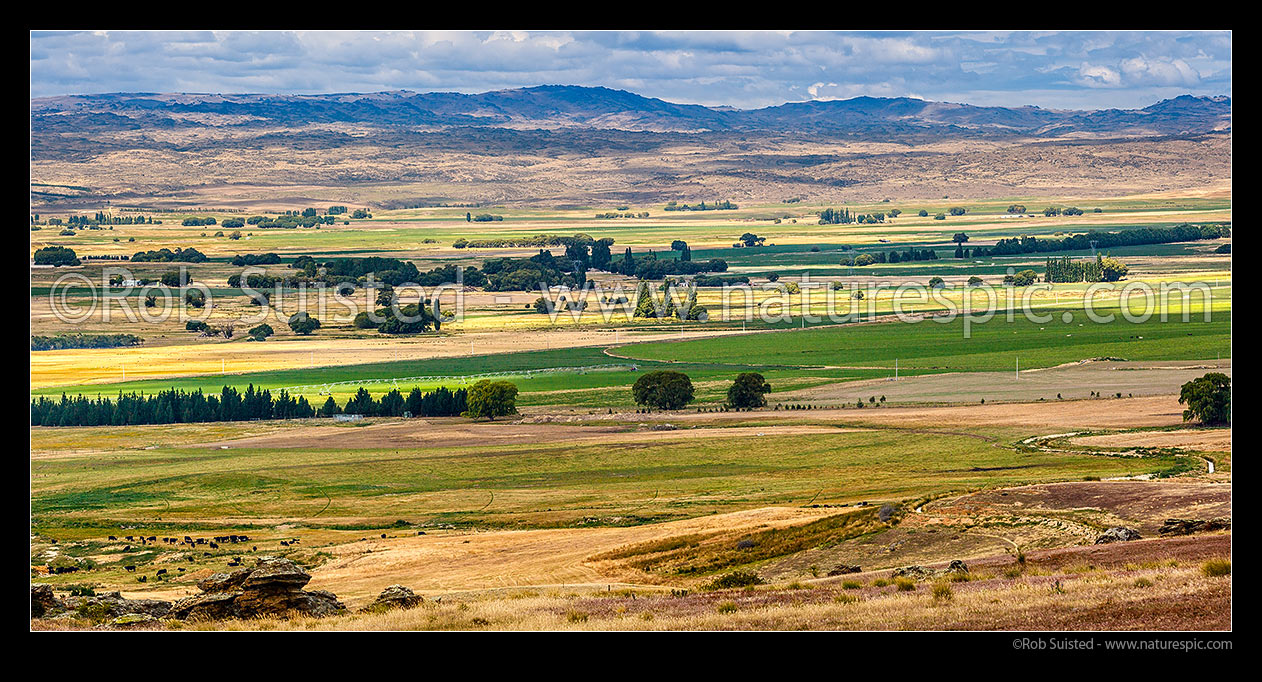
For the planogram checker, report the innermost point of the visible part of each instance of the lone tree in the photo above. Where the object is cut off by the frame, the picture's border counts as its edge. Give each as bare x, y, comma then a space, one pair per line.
664, 390
303, 324
1208, 399
492, 399
749, 390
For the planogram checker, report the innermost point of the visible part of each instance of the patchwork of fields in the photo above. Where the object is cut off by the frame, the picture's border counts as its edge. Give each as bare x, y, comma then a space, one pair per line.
525, 518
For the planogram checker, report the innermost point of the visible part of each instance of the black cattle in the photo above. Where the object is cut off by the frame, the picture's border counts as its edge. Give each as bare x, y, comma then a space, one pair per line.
142, 579
113, 538
130, 569
383, 536
161, 571
214, 546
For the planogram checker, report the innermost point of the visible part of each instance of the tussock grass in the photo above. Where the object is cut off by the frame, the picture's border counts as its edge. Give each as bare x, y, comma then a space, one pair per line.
1216, 568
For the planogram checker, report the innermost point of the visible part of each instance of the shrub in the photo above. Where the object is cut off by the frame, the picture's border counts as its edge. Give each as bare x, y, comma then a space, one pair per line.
851, 584
1216, 568
1143, 582
905, 584
727, 607
942, 592
735, 579
262, 331
846, 599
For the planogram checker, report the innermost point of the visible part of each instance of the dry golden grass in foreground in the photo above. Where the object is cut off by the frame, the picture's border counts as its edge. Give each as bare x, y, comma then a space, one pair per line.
1167, 584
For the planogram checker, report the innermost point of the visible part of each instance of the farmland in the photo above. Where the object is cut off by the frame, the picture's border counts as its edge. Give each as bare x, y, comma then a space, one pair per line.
926, 400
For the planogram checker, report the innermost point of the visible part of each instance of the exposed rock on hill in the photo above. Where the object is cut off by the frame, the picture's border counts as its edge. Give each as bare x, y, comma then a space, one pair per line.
272, 587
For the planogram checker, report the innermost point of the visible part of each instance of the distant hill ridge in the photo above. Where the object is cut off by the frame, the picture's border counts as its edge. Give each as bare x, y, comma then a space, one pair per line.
567, 106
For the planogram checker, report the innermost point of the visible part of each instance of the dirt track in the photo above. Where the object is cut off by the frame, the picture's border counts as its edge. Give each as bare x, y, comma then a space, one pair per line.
1208, 440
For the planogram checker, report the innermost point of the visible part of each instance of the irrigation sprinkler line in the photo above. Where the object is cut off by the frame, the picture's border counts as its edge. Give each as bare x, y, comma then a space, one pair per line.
458, 378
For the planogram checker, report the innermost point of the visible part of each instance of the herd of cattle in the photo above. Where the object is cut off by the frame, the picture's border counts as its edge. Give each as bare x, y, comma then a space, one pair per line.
189, 541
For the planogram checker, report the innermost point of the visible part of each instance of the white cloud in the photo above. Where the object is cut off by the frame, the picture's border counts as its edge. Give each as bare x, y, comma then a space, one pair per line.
1094, 76
738, 68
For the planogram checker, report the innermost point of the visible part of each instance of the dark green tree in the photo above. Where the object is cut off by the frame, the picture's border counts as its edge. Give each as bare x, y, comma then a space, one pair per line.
663, 389
749, 390
490, 399
1208, 399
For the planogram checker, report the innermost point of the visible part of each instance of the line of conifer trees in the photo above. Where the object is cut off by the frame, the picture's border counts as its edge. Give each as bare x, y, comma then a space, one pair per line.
178, 406
440, 402
1104, 240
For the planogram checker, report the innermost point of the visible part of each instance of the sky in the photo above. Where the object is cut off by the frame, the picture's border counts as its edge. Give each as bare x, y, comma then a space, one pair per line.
744, 69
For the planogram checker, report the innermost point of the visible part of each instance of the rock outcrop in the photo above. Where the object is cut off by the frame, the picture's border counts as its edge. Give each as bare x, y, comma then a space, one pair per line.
273, 587
113, 605
1118, 534
394, 597
1190, 526
921, 573
844, 569
44, 602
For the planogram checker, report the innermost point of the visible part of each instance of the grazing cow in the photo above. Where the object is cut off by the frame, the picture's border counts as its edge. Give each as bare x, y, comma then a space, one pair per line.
113, 538
130, 569
255, 548
153, 538
126, 548
142, 579
284, 543
383, 536
181, 569
214, 546
128, 538
161, 571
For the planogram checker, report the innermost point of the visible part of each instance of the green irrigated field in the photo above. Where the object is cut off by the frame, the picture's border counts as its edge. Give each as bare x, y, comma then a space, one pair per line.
994, 345
790, 358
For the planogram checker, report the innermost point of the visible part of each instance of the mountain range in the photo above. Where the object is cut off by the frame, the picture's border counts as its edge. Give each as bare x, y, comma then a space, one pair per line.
563, 106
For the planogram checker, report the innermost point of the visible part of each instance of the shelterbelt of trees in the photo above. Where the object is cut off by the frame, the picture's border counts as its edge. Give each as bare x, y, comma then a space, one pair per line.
68, 341
1103, 240
176, 406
